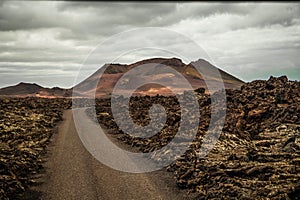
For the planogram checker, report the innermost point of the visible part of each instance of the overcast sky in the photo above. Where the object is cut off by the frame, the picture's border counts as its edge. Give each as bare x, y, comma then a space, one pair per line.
46, 42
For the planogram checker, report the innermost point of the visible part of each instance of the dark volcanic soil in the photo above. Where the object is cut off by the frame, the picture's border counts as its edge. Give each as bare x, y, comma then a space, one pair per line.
256, 157
258, 152
26, 125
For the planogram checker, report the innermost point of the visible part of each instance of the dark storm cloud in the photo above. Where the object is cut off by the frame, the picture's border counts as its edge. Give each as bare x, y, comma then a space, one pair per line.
23, 16
85, 17
55, 37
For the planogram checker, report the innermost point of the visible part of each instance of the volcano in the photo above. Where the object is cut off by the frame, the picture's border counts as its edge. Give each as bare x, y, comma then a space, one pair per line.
104, 80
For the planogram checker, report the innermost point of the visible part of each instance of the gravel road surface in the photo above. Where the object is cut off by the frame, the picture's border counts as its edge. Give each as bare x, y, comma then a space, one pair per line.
71, 172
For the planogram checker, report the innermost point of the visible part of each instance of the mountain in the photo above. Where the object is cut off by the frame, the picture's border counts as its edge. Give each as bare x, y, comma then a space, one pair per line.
32, 89
113, 72
103, 81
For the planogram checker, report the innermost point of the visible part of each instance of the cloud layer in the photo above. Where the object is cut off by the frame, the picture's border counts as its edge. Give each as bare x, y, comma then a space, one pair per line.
46, 42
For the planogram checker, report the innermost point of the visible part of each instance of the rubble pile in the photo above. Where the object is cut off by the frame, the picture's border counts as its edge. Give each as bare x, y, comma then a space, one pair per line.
139, 108
261, 105
257, 154
265, 167
26, 125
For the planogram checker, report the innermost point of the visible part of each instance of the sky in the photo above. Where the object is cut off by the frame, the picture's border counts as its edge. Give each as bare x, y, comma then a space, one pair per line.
47, 42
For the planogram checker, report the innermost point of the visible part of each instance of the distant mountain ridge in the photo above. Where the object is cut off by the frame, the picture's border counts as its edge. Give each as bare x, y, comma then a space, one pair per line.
111, 73
32, 89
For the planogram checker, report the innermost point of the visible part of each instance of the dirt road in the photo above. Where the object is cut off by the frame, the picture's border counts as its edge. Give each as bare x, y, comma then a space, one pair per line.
71, 172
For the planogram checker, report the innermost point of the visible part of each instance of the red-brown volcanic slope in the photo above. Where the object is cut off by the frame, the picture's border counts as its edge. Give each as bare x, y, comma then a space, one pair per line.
114, 72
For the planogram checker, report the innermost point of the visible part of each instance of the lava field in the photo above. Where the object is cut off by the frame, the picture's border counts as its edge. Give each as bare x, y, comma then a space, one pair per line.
26, 126
257, 155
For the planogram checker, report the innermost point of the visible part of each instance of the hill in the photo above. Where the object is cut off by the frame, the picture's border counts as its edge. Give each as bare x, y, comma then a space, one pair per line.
33, 89
104, 80
111, 73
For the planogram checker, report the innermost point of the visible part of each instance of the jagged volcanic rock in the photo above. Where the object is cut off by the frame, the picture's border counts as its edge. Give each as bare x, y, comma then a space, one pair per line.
257, 155
26, 125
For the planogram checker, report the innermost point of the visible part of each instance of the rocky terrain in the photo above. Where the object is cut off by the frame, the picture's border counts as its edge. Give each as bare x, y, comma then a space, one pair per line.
257, 155
26, 125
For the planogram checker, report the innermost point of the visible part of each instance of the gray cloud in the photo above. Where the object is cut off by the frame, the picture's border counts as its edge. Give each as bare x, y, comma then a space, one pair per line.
249, 40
